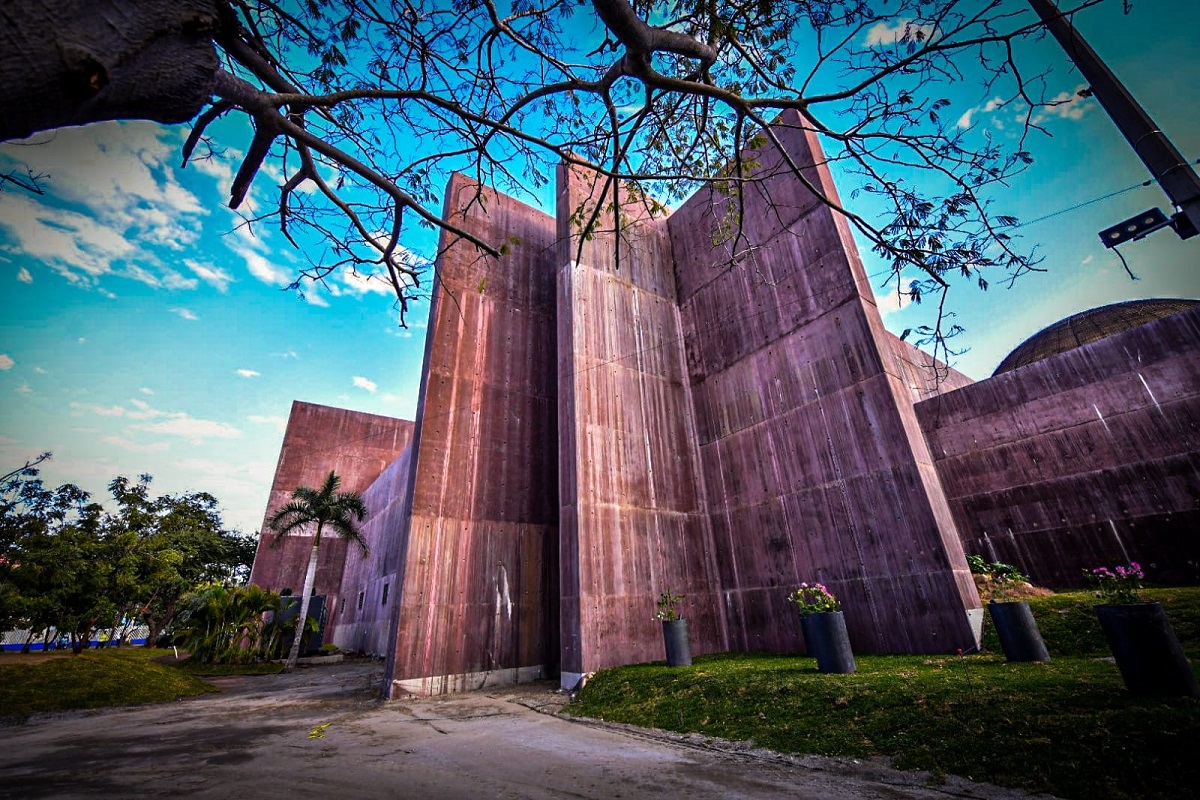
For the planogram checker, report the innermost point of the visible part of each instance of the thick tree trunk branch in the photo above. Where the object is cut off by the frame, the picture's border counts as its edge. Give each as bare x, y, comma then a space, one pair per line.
642, 40
71, 63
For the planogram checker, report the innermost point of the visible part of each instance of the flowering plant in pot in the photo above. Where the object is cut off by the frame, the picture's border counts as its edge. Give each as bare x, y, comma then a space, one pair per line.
824, 627
1140, 636
675, 635
1120, 585
814, 599
1016, 628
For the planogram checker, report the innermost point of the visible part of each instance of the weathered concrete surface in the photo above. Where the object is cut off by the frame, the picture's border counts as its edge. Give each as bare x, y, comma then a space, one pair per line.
252, 741
633, 518
366, 620
814, 463
320, 438
479, 586
1089, 457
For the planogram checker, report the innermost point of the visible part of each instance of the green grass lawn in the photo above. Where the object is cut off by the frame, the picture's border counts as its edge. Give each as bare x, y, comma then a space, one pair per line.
92, 679
1066, 727
261, 668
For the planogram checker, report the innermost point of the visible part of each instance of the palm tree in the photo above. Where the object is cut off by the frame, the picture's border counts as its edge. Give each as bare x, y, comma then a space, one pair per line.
327, 507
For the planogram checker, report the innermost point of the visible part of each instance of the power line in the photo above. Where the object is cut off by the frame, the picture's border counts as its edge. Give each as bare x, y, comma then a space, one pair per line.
1088, 202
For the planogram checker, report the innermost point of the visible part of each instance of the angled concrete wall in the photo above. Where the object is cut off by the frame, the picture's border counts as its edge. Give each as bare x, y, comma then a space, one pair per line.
478, 592
1089, 457
367, 606
317, 439
632, 518
813, 459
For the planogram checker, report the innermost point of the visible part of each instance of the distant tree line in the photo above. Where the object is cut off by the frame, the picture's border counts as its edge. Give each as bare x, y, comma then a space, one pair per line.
70, 564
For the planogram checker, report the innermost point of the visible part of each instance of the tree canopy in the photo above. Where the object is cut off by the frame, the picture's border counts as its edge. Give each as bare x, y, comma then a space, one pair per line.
67, 562
360, 108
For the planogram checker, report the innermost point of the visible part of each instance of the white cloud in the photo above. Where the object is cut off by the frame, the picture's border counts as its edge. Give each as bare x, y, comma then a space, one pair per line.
6, 362
134, 447
142, 410
218, 166
173, 280
23, 276
119, 187
1066, 105
82, 340
360, 284
892, 299
279, 423
191, 428
185, 313
39, 370
248, 373
24, 389
72, 244
1087, 260
314, 298
247, 246
991, 105
287, 355
215, 277
902, 31
363, 383
146, 390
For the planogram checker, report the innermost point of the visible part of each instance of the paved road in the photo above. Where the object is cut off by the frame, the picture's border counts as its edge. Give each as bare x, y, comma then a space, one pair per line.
253, 741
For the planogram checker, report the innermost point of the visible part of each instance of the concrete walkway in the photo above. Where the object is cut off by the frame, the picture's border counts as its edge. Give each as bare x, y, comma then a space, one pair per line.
253, 741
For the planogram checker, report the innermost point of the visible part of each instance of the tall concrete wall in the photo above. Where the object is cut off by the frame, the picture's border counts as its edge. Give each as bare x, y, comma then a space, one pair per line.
366, 617
813, 459
632, 518
318, 439
478, 594
1089, 457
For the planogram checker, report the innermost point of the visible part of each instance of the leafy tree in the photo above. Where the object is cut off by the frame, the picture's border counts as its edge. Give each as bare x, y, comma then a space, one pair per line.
50, 541
324, 507
67, 563
371, 104
174, 544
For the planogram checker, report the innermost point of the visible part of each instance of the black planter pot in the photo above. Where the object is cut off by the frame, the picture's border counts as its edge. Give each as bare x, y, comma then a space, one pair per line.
1020, 638
826, 639
1146, 650
675, 637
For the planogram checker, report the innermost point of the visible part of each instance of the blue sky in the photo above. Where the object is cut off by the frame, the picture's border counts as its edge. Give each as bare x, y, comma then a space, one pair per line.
141, 330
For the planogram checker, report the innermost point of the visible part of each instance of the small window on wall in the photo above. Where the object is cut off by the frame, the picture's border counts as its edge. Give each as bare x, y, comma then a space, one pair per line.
360, 600
341, 604
385, 592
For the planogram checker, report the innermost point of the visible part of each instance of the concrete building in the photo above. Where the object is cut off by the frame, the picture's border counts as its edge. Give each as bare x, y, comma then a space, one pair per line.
708, 402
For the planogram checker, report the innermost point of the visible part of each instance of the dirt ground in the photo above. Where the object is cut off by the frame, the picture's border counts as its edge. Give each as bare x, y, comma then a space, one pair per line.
322, 732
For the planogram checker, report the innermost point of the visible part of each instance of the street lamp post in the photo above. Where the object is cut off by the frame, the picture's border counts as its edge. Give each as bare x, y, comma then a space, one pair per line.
1168, 166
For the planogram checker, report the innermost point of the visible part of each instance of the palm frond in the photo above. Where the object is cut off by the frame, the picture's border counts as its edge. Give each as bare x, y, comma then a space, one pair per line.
324, 507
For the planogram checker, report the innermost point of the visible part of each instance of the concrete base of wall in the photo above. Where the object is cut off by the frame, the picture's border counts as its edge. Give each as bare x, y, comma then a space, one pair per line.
468, 681
571, 680
975, 620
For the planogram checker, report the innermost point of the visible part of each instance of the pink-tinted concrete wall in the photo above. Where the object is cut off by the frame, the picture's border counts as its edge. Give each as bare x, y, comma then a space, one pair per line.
318, 439
632, 518
921, 373
478, 595
366, 617
813, 460
1089, 457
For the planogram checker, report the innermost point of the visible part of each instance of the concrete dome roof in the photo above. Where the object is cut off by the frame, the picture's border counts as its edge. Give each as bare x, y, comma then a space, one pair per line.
1090, 326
